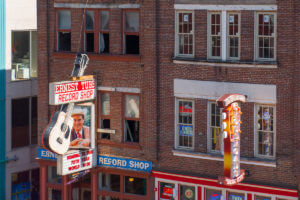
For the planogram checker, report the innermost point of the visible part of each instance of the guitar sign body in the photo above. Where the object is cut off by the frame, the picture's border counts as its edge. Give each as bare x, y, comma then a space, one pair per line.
58, 133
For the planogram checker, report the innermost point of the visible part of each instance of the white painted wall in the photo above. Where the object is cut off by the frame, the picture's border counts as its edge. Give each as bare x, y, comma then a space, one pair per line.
20, 15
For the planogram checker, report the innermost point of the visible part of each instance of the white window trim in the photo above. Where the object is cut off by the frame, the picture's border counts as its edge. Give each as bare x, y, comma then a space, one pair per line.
227, 36
256, 45
209, 56
176, 125
208, 130
256, 154
176, 50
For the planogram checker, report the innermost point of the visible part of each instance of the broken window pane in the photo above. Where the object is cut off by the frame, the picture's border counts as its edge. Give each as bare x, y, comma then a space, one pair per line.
64, 41
132, 44
89, 42
131, 131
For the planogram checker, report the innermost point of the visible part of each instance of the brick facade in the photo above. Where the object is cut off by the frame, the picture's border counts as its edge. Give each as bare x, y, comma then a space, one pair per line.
153, 71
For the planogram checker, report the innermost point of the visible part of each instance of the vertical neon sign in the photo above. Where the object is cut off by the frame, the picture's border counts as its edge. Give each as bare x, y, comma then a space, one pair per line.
231, 120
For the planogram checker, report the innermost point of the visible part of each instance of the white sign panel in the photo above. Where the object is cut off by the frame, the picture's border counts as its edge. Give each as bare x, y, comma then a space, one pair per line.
71, 91
75, 161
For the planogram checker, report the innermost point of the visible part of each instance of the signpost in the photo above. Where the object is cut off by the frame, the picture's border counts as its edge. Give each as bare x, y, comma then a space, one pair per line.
231, 120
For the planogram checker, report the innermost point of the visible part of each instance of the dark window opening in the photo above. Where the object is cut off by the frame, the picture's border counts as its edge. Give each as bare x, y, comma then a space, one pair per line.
64, 41
20, 122
131, 131
135, 185
34, 117
104, 43
89, 42
132, 44
105, 123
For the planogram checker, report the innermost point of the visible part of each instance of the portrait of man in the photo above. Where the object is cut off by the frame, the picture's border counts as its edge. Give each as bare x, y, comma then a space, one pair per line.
80, 134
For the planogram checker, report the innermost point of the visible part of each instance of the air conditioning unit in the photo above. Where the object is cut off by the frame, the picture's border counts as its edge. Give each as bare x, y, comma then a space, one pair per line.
22, 72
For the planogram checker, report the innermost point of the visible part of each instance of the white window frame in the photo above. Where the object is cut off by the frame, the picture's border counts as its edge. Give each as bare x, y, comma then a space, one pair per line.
256, 37
256, 136
177, 33
209, 136
228, 36
177, 121
209, 41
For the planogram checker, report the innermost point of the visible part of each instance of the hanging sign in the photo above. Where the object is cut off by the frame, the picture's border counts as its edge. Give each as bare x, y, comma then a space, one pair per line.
231, 116
75, 161
71, 91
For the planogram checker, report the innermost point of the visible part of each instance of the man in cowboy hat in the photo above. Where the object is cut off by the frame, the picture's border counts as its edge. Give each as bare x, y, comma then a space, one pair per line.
80, 135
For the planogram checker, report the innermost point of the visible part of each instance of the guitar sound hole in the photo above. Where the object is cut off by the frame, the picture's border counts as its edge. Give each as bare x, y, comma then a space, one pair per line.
63, 127
59, 140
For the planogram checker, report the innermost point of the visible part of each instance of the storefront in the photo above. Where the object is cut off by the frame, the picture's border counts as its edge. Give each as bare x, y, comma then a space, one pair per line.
114, 178
180, 187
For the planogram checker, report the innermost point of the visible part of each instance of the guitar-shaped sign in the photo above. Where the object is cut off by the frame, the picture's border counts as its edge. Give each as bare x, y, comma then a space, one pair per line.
57, 135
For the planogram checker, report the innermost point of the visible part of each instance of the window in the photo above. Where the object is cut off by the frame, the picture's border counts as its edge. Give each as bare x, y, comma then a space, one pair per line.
185, 124
184, 33
132, 115
265, 130
24, 55
233, 35
135, 185
266, 36
235, 196
89, 31
187, 192
104, 31
53, 177
211, 194
167, 191
131, 32
262, 198
109, 182
25, 185
215, 37
105, 114
214, 136
64, 30
24, 122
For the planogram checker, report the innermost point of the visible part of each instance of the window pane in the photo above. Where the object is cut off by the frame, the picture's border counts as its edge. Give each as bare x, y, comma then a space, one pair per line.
132, 22
235, 196
109, 182
166, 191
20, 185
20, 122
213, 194
64, 19
132, 106
187, 192
262, 198
33, 69
105, 104
34, 117
64, 41
135, 185
104, 20
35, 184
54, 194
131, 131
132, 44
20, 55
89, 42
89, 20
104, 43
52, 175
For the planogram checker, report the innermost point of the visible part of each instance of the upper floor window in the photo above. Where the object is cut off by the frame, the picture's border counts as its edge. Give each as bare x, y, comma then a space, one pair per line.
185, 124
265, 131
105, 116
131, 32
214, 135
24, 122
233, 35
97, 31
215, 35
64, 30
24, 55
266, 36
132, 118
184, 33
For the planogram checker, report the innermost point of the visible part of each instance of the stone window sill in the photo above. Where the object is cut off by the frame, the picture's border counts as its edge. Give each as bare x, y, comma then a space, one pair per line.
231, 63
218, 157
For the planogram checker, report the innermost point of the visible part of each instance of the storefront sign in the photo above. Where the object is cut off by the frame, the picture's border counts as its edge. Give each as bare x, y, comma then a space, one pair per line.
45, 154
71, 91
124, 163
231, 116
186, 130
75, 161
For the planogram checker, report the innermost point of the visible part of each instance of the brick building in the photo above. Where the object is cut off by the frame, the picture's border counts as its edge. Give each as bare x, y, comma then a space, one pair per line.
161, 65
